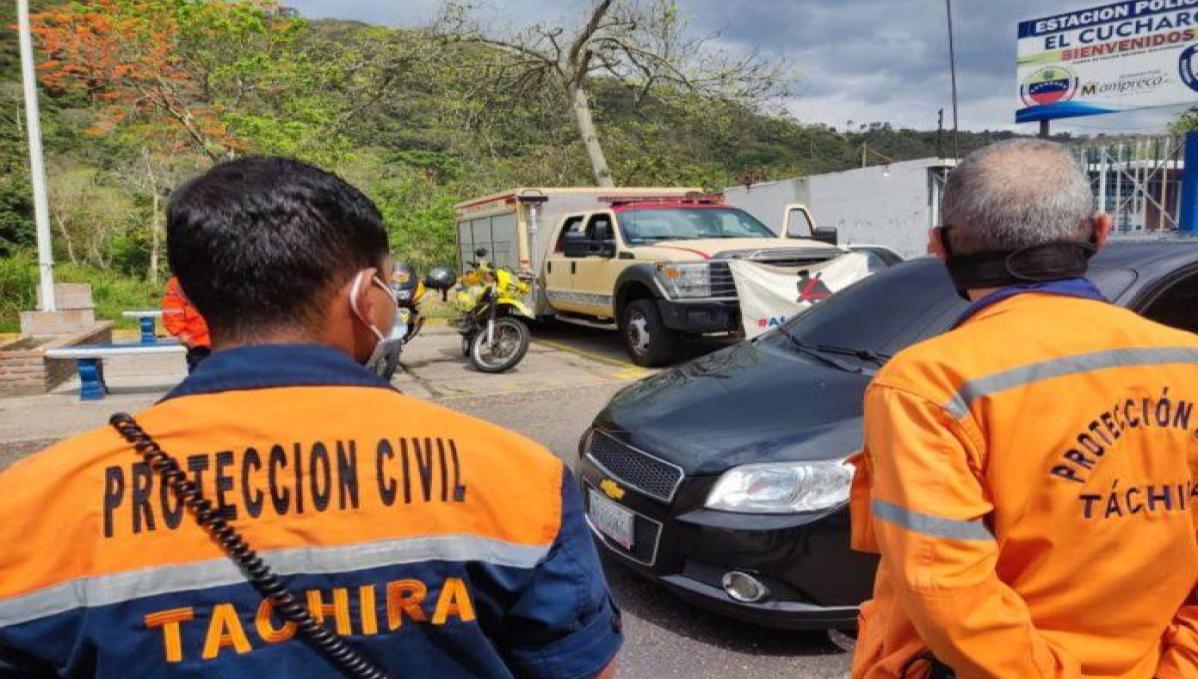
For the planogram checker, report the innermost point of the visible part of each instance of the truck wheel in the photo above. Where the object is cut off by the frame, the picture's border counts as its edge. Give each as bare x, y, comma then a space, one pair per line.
646, 338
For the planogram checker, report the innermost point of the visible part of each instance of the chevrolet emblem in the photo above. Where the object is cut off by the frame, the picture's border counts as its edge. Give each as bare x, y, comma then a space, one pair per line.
611, 489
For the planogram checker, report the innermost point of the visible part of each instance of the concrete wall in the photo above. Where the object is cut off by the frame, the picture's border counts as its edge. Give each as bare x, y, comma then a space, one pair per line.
26, 371
890, 205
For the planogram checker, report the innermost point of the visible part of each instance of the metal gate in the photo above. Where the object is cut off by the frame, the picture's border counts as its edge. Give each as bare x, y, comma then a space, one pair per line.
1136, 180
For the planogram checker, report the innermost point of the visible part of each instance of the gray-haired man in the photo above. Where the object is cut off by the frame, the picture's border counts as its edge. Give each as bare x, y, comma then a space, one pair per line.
1032, 521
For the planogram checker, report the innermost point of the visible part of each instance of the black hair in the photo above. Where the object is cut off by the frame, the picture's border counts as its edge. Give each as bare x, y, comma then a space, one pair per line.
258, 243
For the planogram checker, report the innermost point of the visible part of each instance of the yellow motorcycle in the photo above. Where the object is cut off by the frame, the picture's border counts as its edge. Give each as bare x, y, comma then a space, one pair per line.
492, 316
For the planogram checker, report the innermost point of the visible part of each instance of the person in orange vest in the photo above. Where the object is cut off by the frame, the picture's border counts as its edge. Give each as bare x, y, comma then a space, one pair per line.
285, 511
184, 321
1029, 477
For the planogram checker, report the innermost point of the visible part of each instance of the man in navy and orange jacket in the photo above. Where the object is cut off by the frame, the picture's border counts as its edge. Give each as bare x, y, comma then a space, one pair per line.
1030, 478
435, 544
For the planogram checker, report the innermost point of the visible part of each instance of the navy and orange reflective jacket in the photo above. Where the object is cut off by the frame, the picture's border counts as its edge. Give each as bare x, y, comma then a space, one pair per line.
441, 545
1031, 481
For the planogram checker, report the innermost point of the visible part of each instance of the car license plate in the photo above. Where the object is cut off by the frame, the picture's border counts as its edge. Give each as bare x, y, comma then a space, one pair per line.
611, 519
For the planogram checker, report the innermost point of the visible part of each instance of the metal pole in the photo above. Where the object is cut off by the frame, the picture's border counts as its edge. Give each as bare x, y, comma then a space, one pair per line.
1120, 221
952, 67
1045, 130
37, 170
1102, 172
1163, 161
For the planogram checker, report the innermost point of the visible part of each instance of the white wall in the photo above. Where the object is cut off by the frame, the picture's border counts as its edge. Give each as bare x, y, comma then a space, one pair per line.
890, 205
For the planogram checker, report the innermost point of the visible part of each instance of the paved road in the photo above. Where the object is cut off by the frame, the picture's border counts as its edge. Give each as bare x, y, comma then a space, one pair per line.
567, 378
666, 638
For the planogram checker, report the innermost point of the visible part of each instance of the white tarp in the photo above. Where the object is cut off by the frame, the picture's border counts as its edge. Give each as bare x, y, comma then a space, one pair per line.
769, 294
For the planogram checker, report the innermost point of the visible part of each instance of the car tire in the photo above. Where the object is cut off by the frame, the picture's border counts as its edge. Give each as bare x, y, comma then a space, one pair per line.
646, 338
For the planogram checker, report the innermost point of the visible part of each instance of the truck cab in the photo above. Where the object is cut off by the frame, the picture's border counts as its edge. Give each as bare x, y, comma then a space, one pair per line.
657, 269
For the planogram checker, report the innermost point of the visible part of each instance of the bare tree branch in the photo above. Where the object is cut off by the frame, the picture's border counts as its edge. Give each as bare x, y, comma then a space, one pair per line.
643, 44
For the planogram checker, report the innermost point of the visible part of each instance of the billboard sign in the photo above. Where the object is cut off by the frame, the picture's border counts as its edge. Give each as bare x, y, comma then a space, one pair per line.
1117, 57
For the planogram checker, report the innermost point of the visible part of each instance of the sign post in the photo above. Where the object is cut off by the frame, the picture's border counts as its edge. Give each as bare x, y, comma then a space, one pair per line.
1117, 57
37, 170
1187, 217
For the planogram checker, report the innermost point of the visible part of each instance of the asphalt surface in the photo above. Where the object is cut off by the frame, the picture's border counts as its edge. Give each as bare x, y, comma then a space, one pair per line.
568, 376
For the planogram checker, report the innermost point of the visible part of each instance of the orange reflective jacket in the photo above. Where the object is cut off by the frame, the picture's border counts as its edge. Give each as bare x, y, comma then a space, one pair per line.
1029, 479
446, 547
181, 319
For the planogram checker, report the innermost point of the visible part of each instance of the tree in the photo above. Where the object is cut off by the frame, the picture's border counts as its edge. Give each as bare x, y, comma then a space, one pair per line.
178, 63
643, 44
1187, 121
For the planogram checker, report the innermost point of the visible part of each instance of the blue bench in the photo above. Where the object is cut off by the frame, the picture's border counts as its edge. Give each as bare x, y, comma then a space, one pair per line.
145, 320
89, 361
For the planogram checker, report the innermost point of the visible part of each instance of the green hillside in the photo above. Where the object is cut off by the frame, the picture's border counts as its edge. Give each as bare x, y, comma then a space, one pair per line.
417, 122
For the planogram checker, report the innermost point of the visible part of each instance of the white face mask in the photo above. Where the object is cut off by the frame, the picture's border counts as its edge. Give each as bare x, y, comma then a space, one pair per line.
385, 357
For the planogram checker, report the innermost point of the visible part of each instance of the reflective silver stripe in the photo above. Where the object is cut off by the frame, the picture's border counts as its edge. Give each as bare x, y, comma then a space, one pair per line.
103, 590
975, 389
926, 524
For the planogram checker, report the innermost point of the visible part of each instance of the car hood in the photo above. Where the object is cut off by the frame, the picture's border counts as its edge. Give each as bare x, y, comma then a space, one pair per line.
749, 403
709, 248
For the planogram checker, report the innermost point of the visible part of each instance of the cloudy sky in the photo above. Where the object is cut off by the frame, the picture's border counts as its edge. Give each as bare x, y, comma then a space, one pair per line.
859, 60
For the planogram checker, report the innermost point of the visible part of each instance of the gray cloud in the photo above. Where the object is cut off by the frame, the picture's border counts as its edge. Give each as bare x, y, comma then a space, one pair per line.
865, 60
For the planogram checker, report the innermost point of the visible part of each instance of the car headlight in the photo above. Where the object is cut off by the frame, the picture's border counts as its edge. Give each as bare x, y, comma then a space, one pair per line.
685, 279
783, 487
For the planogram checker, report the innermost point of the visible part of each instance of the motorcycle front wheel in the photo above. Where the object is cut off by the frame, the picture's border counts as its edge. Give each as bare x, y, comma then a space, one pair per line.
511, 339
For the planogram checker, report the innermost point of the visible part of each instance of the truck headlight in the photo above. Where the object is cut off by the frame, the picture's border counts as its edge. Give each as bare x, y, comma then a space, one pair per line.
685, 279
782, 487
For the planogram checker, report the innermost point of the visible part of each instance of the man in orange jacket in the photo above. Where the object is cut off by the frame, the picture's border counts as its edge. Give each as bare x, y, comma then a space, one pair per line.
181, 319
1030, 478
409, 541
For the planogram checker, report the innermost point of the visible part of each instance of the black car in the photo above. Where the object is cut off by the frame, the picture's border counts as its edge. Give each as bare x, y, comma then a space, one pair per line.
723, 480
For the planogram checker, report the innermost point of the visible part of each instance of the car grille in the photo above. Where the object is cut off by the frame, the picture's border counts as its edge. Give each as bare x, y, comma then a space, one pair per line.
643, 472
646, 533
723, 287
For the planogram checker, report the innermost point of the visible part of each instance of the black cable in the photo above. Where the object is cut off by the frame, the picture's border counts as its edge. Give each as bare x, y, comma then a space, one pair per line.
351, 663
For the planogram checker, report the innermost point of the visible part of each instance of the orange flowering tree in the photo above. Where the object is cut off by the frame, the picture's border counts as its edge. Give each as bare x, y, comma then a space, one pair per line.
183, 67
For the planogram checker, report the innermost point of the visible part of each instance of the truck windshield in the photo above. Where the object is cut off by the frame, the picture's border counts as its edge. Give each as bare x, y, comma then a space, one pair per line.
656, 224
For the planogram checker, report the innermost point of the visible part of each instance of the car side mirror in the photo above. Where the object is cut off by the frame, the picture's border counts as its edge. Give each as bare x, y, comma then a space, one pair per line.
607, 249
577, 245
825, 234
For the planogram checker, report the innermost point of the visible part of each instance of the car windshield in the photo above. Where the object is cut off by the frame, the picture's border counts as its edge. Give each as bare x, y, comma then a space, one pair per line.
881, 315
649, 225
877, 317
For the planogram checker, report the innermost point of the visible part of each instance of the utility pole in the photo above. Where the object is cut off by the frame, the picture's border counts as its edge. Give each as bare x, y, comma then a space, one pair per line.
37, 169
952, 66
940, 135
864, 150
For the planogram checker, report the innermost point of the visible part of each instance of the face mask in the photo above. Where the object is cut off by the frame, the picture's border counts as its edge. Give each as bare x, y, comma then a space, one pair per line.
384, 358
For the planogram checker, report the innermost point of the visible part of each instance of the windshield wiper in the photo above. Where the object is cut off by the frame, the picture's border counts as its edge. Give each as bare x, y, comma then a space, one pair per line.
815, 353
863, 354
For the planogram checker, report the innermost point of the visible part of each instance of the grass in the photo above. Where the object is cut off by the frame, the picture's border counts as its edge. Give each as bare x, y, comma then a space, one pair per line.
112, 292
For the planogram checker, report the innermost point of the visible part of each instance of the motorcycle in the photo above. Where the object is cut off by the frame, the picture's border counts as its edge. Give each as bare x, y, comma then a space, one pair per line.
409, 290
491, 316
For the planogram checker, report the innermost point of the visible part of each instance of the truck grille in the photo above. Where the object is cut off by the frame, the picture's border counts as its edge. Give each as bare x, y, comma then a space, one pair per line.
724, 287
722, 284
643, 472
